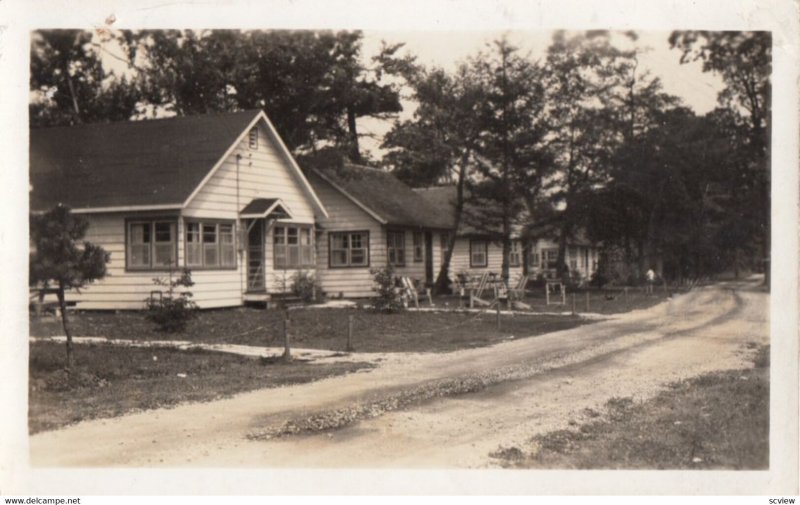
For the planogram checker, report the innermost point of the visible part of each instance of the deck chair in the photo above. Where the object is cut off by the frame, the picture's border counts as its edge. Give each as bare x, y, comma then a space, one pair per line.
476, 295
516, 293
412, 293
510, 295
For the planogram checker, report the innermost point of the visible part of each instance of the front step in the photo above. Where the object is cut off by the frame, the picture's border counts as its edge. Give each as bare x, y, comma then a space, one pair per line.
257, 297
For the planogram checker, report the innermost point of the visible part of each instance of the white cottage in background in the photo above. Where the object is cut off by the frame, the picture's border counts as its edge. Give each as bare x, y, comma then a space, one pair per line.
475, 252
219, 194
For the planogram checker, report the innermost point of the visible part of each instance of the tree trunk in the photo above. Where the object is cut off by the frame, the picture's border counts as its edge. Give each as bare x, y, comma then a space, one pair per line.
441, 284
561, 269
62, 304
355, 152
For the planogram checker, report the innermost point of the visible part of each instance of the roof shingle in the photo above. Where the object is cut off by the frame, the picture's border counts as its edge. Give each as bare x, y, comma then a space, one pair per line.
384, 194
132, 163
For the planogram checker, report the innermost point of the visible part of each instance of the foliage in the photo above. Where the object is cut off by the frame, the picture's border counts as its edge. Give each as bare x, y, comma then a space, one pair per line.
173, 310
305, 286
744, 62
312, 83
513, 160
389, 297
69, 84
60, 257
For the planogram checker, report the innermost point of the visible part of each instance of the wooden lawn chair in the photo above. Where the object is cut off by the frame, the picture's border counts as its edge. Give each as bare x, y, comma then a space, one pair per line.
517, 292
476, 294
411, 291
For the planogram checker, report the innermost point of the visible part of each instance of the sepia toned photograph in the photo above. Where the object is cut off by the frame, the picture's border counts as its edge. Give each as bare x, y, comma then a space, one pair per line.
344, 248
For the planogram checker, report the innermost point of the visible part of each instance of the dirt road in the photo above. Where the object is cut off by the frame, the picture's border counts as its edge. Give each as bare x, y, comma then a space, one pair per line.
526, 386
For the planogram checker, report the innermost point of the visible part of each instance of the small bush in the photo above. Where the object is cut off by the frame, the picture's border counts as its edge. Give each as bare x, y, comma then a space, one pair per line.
171, 312
389, 298
304, 286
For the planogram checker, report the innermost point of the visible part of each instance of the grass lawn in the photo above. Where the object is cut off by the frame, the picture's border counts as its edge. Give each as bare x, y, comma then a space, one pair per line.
715, 421
319, 328
108, 381
600, 301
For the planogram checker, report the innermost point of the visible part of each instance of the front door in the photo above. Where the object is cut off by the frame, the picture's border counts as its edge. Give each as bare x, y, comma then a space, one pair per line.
428, 258
255, 256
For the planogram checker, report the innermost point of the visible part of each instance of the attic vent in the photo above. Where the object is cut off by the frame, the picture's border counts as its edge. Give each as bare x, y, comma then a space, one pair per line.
252, 138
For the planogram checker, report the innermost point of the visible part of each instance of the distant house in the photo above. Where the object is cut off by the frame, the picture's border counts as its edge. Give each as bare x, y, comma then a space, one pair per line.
475, 252
219, 194
373, 220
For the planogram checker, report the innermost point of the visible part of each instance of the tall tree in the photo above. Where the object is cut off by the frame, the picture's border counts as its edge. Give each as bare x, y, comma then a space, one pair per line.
582, 72
60, 257
70, 84
513, 160
744, 62
313, 84
437, 144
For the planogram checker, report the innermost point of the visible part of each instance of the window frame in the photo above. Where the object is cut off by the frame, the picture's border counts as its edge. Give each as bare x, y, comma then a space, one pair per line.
151, 222
534, 258
418, 246
348, 234
545, 258
252, 139
301, 265
401, 249
472, 243
515, 251
217, 223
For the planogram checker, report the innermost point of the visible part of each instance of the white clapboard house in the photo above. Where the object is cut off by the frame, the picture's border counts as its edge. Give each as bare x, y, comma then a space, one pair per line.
221, 195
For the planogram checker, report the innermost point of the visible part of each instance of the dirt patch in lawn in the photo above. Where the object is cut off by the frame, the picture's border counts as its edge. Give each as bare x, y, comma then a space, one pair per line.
715, 421
317, 328
108, 381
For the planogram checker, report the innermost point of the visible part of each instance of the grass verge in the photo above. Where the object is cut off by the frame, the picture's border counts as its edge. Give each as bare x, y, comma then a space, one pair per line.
109, 381
324, 329
715, 421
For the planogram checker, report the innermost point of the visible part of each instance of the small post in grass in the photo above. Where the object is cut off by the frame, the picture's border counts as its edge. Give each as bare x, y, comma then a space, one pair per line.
497, 310
287, 353
626, 294
349, 347
587, 300
573, 304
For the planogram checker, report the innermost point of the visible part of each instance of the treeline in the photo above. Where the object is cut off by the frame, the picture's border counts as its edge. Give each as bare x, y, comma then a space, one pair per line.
581, 139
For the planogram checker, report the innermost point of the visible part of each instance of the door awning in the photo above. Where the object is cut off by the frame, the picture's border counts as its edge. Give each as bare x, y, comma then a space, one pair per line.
260, 208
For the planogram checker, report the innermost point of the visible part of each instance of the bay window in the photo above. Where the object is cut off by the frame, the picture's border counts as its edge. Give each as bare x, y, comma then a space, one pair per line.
210, 244
293, 247
151, 244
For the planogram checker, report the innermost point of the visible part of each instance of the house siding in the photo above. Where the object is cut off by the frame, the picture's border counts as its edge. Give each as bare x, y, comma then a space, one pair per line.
263, 173
459, 262
344, 215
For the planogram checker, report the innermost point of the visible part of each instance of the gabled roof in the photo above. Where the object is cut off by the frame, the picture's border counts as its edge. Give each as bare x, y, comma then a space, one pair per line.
156, 163
263, 207
381, 195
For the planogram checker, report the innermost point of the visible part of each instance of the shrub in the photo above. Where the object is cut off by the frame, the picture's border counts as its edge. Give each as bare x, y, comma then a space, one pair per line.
172, 311
304, 286
389, 298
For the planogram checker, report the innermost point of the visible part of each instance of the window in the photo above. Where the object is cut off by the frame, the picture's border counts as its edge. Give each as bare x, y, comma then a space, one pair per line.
418, 242
395, 248
151, 244
533, 256
210, 244
293, 247
514, 255
252, 138
349, 249
478, 253
550, 258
